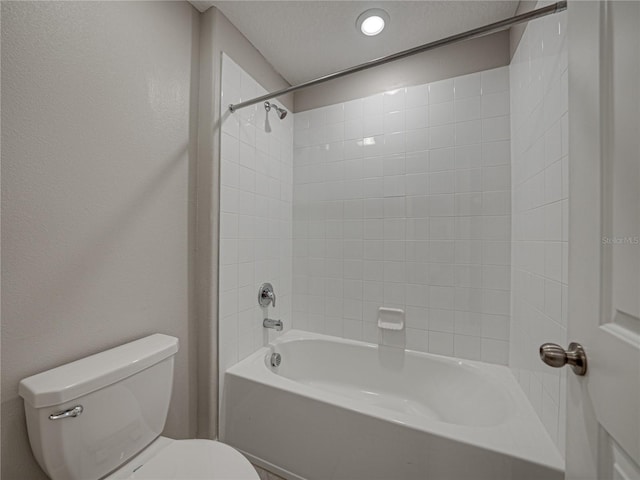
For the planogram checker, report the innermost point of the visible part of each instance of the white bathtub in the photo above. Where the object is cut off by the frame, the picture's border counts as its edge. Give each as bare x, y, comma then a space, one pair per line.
341, 409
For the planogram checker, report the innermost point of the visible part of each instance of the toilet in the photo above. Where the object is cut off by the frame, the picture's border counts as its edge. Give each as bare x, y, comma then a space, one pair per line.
101, 418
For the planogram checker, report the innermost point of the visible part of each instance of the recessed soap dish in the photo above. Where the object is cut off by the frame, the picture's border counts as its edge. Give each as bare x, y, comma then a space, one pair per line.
390, 318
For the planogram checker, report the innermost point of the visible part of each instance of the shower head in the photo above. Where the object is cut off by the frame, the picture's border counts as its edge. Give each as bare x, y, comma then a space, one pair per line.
281, 112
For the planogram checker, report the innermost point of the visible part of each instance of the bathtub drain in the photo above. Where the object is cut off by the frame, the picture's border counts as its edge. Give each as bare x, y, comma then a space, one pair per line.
275, 359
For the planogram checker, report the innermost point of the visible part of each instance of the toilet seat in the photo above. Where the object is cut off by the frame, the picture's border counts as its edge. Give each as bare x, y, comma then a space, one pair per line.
187, 460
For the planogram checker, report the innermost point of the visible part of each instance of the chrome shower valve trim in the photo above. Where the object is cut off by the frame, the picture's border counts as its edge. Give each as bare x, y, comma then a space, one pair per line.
266, 295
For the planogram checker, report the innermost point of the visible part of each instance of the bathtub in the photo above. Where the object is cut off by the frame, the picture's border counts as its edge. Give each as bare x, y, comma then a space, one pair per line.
343, 409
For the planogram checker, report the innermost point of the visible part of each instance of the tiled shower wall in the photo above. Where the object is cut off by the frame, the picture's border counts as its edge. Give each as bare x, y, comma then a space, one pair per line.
539, 92
255, 218
402, 199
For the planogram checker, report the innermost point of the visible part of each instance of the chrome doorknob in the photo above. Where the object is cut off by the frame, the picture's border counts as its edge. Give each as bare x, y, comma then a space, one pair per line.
556, 356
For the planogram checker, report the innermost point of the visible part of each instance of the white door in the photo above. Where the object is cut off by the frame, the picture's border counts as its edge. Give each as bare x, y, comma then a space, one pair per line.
603, 407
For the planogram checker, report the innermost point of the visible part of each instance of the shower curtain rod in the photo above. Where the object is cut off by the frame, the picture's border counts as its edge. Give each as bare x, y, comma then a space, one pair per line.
475, 33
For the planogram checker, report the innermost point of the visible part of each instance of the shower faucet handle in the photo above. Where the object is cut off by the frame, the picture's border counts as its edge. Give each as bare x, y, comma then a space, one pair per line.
266, 295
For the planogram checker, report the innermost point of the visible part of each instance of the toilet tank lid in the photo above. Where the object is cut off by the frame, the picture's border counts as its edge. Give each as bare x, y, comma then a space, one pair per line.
72, 380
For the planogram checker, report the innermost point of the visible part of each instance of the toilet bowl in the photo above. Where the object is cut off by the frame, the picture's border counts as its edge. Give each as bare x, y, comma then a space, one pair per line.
101, 418
186, 459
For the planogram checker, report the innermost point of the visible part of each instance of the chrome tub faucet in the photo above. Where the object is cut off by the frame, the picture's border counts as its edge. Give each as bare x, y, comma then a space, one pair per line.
275, 324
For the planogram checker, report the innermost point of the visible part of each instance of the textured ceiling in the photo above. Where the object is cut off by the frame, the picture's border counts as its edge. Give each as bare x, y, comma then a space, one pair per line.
308, 39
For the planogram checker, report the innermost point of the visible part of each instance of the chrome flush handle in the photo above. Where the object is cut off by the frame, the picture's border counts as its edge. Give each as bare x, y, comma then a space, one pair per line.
72, 412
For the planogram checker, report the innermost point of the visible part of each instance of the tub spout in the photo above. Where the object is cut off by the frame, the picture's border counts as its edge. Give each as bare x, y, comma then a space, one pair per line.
275, 324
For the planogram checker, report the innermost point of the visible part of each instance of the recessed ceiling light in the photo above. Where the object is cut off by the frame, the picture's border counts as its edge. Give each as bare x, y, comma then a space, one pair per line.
372, 21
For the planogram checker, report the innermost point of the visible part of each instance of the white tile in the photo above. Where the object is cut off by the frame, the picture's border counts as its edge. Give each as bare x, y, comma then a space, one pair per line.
372, 105
416, 184
468, 109
353, 110
416, 140
468, 323
353, 329
468, 133
228, 277
496, 178
415, 117
441, 297
494, 351
416, 295
441, 182
440, 343
417, 162
394, 229
373, 270
229, 148
378, 213
441, 205
394, 144
417, 272
495, 104
417, 340
467, 86
553, 221
496, 277
496, 302
334, 113
353, 129
441, 91
394, 250
417, 96
496, 80
393, 100
373, 188
247, 156
442, 136
495, 327
441, 228
553, 300
416, 317
229, 173
468, 156
334, 132
417, 229
228, 225
441, 321
372, 125
469, 180
394, 122
441, 159
441, 114
467, 347
553, 182
496, 128
394, 207
393, 293
496, 153
468, 251
394, 272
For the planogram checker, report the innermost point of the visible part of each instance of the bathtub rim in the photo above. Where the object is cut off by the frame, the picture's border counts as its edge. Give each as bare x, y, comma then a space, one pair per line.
543, 453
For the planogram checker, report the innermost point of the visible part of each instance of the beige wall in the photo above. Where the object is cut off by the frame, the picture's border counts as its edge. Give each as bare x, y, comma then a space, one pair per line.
98, 162
454, 60
217, 35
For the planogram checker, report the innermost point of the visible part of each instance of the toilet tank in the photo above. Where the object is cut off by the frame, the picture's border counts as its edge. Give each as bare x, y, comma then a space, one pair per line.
124, 395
